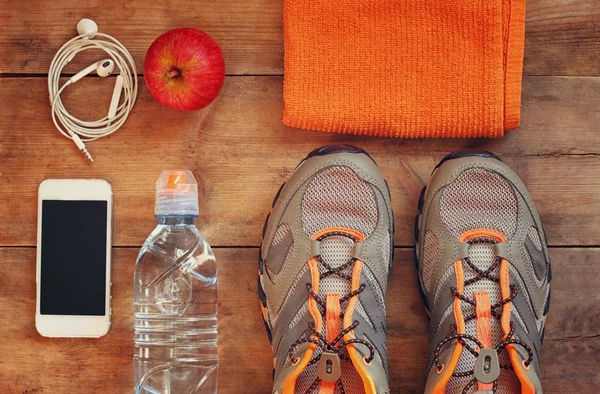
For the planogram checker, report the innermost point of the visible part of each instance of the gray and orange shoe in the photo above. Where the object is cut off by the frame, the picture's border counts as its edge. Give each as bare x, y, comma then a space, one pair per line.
485, 277
323, 270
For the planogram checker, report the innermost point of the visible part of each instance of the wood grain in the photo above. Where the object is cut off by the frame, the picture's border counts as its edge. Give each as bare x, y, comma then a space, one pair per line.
249, 32
561, 36
29, 362
241, 153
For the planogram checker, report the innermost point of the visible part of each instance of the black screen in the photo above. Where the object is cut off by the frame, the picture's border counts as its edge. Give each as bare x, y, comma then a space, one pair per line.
73, 268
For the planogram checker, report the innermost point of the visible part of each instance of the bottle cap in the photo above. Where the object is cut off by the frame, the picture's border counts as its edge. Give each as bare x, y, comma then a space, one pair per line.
176, 194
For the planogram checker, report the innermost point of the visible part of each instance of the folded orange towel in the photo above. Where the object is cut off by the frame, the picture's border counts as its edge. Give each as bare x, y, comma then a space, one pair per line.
404, 68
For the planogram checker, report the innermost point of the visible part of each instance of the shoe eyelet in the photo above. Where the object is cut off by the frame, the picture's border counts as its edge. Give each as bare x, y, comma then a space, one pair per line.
525, 365
366, 360
295, 361
440, 369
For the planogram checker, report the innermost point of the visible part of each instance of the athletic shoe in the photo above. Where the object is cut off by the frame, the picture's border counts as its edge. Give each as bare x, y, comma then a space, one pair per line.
484, 272
323, 269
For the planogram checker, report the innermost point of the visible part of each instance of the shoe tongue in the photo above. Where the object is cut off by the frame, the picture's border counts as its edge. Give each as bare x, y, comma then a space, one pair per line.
483, 255
336, 251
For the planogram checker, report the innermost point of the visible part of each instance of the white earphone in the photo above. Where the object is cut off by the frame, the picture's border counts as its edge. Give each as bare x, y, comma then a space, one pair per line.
79, 130
103, 68
87, 27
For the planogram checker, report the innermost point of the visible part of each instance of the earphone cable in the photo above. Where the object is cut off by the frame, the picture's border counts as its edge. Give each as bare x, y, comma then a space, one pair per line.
78, 130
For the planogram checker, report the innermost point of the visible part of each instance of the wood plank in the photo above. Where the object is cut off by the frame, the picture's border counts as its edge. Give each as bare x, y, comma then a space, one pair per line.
29, 362
242, 157
249, 32
561, 38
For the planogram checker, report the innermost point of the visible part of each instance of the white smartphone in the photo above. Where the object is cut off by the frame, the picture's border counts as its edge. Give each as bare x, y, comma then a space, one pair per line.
73, 258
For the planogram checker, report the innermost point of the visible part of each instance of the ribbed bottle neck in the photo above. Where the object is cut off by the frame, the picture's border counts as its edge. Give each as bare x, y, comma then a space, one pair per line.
176, 220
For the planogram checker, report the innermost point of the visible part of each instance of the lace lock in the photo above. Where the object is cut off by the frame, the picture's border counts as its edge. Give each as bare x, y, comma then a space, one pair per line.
487, 366
329, 368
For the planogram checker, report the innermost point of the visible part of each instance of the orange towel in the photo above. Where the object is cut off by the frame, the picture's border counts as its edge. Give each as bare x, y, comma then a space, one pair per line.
404, 68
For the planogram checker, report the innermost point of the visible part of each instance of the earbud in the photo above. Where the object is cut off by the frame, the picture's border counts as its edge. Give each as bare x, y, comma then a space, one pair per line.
103, 68
87, 27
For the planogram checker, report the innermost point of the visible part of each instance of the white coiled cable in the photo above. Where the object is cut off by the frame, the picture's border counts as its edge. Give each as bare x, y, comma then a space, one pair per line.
77, 129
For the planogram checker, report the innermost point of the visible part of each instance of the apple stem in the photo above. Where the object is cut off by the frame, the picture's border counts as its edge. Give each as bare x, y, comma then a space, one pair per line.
174, 73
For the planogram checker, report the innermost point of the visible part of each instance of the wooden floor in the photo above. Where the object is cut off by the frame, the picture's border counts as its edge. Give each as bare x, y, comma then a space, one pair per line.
241, 153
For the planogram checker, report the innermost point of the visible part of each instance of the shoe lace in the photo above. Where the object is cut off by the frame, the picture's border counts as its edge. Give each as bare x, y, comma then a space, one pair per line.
466, 340
338, 344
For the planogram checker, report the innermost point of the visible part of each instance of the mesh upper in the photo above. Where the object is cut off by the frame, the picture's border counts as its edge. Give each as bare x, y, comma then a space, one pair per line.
377, 291
535, 238
334, 197
306, 378
274, 314
337, 250
431, 257
338, 197
282, 231
280, 234
479, 198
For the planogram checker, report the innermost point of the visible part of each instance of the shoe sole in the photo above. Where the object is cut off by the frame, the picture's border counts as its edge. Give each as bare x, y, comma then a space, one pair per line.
323, 151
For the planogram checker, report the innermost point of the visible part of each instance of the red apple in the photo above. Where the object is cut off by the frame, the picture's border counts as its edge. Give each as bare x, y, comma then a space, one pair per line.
184, 69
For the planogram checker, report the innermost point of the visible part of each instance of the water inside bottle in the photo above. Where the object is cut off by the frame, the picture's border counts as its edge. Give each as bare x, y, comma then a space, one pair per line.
175, 302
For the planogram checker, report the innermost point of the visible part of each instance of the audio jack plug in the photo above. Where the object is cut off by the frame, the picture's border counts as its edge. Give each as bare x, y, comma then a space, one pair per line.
81, 146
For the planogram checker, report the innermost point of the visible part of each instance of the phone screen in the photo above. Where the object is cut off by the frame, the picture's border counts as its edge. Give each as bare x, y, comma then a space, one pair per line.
73, 258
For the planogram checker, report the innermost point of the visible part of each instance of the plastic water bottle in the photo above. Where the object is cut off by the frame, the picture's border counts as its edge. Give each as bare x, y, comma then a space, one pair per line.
175, 297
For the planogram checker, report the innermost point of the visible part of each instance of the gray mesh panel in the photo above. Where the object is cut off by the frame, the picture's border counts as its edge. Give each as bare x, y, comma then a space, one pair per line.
351, 379
274, 315
479, 199
306, 378
431, 257
360, 309
278, 245
338, 197
281, 232
449, 271
277, 277
386, 249
535, 238
376, 289
303, 311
